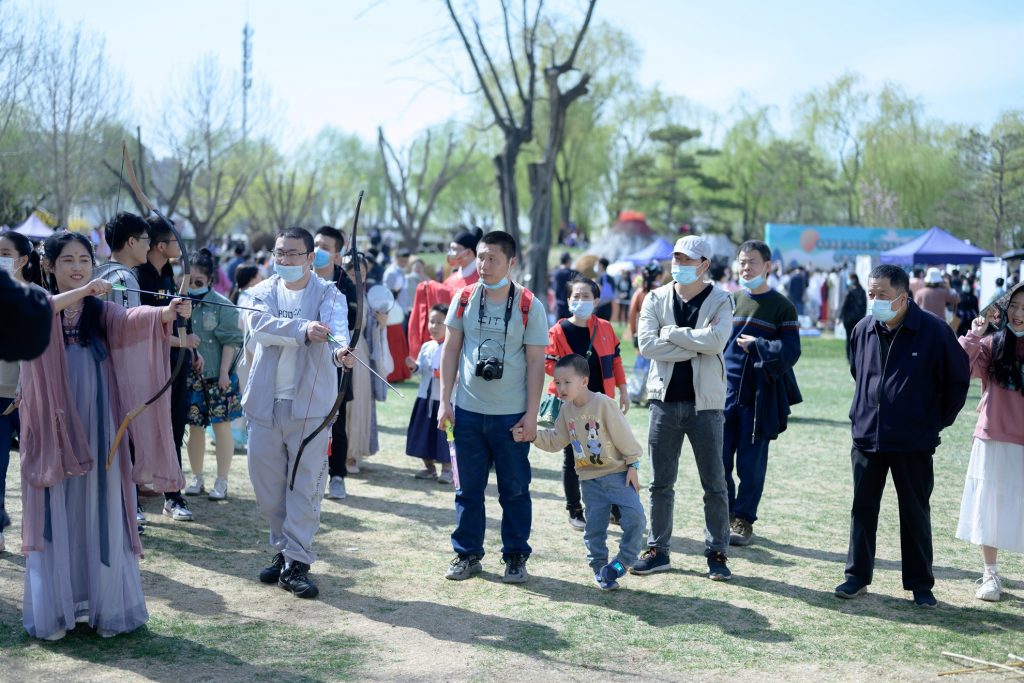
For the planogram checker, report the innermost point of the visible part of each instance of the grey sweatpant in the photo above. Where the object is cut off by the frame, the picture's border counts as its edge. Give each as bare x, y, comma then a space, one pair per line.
294, 516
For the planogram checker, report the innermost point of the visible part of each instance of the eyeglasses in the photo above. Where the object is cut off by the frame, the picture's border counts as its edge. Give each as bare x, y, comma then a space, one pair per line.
287, 254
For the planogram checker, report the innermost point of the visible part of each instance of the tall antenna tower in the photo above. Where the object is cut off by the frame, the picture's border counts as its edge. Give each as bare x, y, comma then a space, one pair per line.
246, 76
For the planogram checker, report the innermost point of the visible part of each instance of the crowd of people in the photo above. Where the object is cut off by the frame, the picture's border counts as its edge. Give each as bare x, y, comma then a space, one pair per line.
286, 353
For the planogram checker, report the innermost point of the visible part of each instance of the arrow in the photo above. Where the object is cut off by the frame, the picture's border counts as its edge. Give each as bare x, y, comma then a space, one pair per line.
122, 288
333, 340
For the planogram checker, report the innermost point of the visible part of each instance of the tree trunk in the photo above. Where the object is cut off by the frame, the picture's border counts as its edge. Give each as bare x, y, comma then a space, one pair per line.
505, 169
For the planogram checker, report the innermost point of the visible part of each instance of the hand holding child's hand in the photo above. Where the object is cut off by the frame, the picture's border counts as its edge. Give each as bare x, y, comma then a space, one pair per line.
517, 434
633, 478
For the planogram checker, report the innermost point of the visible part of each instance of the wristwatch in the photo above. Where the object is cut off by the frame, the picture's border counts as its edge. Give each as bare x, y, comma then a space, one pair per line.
635, 465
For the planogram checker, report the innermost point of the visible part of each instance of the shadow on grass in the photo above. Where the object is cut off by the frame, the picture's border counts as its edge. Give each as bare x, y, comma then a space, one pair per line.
662, 610
454, 624
165, 651
822, 421
182, 597
840, 559
958, 620
390, 476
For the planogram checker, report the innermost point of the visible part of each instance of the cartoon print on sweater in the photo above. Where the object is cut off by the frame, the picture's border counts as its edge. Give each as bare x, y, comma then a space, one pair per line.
577, 447
594, 440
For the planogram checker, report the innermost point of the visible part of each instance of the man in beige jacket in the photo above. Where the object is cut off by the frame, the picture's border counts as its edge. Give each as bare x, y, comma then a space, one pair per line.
684, 327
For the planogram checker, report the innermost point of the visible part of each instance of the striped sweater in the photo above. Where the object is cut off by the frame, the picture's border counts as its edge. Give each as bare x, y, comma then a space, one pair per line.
770, 316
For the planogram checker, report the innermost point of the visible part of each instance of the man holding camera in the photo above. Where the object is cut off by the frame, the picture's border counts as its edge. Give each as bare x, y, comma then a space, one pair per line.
497, 333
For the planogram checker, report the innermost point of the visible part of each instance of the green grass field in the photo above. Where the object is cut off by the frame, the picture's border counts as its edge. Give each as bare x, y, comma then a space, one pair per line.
386, 612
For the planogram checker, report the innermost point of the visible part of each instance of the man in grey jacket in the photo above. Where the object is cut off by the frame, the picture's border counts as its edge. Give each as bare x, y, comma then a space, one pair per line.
683, 328
292, 386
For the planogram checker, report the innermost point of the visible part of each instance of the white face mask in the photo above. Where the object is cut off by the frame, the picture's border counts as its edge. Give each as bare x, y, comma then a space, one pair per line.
7, 263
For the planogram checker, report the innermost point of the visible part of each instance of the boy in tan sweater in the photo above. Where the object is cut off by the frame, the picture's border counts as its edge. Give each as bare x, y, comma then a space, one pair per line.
607, 461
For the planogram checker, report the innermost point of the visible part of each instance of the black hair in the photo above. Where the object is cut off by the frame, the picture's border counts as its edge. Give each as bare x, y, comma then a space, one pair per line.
576, 363
760, 247
90, 328
896, 276
1005, 369
918, 273
855, 279
566, 258
297, 233
32, 271
999, 282
337, 235
403, 253
579, 279
123, 227
159, 231
244, 274
239, 249
604, 262
204, 261
501, 239
439, 308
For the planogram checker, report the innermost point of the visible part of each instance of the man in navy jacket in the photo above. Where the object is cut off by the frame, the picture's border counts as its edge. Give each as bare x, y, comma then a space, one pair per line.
911, 382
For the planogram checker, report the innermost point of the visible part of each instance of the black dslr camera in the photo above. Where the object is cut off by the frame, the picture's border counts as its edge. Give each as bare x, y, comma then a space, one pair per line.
490, 368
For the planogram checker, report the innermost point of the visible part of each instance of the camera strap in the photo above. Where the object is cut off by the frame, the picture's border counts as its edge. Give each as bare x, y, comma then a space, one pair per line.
508, 313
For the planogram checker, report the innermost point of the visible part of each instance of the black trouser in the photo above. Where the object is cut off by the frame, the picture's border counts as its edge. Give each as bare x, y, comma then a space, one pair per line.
571, 484
179, 409
913, 477
339, 437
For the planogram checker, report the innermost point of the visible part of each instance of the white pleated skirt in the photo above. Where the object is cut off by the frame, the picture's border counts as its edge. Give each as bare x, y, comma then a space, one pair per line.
992, 508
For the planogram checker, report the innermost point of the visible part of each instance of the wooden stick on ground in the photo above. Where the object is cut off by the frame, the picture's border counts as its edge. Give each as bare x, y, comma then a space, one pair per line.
1012, 669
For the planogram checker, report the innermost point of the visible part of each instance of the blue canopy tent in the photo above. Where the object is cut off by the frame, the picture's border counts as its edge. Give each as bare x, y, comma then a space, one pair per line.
935, 247
658, 250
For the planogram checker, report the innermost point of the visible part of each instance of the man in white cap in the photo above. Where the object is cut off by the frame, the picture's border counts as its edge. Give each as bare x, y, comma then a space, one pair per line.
936, 296
683, 328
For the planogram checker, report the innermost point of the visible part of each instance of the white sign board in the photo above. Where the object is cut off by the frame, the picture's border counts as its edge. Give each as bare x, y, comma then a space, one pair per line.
991, 269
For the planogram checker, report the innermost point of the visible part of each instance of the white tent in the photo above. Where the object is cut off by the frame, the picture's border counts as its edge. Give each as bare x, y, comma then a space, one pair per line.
34, 228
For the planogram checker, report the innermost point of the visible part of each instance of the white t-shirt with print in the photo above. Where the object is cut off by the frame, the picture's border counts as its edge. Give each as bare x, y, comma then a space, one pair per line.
289, 305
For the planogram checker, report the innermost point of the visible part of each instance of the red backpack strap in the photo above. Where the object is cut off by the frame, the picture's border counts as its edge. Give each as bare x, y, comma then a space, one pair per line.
465, 294
525, 301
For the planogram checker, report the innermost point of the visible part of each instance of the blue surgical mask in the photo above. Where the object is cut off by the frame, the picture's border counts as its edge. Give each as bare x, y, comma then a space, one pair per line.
320, 258
288, 273
1016, 333
501, 283
882, 311
752, 283
684, 275
581, 309
198, 292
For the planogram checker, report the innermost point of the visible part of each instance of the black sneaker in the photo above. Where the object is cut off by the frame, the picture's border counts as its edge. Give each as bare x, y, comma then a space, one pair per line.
272, 573
295, 579
924, 599
850, 589
515, 569
651, 560
717, 568
463, 567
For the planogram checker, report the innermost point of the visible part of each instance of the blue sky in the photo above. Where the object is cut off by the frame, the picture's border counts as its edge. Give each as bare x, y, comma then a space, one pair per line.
359, 63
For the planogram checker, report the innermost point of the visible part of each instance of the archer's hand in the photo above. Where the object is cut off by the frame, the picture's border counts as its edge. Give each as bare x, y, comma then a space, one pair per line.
345, 357
182, 307
317, 332
98, 287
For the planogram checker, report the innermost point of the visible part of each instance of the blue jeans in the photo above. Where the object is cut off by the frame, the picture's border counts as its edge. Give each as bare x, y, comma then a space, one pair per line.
751, 460
482, 441
599, 495
8, 426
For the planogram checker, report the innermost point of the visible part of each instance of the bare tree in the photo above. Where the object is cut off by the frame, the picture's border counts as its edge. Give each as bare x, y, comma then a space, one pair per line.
18, 57
511, 98
542, 173
73, 95
414, 183
282, 197
214, 166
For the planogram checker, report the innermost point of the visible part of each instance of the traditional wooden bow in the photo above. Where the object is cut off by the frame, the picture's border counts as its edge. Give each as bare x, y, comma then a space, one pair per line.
179, 323
346, 375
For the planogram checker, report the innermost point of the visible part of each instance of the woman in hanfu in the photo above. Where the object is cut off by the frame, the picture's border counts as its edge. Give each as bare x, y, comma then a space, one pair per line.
79, 533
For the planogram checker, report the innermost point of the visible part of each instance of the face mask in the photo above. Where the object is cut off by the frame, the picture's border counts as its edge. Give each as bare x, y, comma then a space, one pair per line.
849, 283
581, 309
198, 292
7, 263
882, 311
684, 275
501, 283
753, 283
288, 273
320, 258
1016, 333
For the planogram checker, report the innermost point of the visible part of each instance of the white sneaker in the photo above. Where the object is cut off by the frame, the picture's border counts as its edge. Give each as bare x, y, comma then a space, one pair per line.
139, 516
177, 510
446, 477
991, 589
195, 487
220, 489
336, 488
